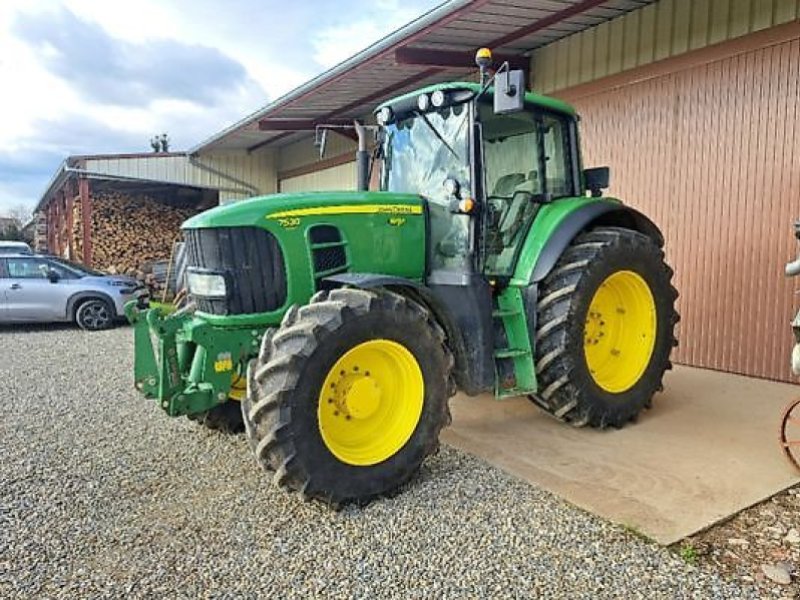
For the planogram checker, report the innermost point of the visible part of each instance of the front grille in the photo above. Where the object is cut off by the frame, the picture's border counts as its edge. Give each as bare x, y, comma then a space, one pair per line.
328, 252
253, 260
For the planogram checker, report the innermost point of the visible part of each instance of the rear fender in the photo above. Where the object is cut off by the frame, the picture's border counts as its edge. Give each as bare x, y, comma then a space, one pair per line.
560, 222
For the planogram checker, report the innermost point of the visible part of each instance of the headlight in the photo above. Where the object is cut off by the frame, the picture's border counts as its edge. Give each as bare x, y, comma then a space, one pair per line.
438, 98
208, 285
424, 102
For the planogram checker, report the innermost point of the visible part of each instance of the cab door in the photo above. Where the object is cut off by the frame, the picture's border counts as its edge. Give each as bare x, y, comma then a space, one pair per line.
527, 164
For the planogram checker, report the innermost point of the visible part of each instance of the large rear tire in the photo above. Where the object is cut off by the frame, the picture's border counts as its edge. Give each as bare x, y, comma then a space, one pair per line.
352, 396
605, 328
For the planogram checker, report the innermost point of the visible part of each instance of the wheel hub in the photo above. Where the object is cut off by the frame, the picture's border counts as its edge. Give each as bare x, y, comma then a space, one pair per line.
362, 398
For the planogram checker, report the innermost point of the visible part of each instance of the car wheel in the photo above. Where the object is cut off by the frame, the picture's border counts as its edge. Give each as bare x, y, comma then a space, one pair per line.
94, 315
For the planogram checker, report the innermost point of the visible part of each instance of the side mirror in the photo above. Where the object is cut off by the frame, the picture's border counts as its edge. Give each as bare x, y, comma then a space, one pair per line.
509, 92
53, 275
597, 180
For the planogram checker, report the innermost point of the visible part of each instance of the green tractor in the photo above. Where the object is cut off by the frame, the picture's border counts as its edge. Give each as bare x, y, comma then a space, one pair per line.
335, 326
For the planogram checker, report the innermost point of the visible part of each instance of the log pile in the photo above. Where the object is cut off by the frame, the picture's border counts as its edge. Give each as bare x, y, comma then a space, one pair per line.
130, 233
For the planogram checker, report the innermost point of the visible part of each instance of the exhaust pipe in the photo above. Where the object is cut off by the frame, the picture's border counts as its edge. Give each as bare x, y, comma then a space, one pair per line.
362, 158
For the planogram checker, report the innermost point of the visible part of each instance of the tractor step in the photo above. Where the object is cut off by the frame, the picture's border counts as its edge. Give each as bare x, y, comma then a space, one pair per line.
513, 356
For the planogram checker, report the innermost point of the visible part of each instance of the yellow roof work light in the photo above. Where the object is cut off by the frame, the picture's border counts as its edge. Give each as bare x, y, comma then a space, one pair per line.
483, 58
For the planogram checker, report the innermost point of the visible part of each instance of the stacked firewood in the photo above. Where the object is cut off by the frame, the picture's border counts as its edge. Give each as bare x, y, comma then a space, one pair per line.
130, 233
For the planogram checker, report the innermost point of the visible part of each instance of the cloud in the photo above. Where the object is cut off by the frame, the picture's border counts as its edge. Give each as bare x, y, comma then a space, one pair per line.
345, 36
108, 70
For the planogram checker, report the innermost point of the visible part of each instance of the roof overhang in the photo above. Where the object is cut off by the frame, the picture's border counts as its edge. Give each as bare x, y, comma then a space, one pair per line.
438, 46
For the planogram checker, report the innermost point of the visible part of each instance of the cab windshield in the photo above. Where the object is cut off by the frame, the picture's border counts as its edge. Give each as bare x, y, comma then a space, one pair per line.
420, 153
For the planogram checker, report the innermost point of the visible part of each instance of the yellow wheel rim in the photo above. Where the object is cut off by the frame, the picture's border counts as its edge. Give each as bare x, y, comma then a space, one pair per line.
370, 402
620, 331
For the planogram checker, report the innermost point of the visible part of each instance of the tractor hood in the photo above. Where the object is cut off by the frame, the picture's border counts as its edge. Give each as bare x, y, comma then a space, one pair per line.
305, 204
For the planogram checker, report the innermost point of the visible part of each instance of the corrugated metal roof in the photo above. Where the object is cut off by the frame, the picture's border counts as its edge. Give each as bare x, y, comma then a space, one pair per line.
351, 89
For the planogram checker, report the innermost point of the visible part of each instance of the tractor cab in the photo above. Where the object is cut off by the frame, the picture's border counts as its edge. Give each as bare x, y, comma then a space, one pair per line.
483, 174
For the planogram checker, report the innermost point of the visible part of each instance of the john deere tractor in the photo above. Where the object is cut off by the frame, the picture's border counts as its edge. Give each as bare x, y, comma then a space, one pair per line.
334, 326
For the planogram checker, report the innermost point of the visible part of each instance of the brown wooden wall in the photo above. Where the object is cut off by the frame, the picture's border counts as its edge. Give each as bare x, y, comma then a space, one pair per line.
712, 153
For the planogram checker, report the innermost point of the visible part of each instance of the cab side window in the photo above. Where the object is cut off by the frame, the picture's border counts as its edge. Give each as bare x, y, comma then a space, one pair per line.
557, 156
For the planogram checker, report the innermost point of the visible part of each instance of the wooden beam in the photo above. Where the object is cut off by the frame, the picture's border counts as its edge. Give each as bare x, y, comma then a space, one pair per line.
84, 191
51, 227
70, 222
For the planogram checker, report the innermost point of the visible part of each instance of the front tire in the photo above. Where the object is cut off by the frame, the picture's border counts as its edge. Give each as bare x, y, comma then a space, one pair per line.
352, 396
95, 315
605, 328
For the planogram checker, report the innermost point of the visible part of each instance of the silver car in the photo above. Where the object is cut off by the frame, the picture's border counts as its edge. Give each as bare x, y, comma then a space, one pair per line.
43, 289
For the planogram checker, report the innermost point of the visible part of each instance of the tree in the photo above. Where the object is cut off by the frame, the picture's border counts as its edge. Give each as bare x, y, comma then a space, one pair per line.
20, 215
20, 212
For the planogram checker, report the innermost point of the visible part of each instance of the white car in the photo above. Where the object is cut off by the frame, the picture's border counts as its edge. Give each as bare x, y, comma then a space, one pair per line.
9, 247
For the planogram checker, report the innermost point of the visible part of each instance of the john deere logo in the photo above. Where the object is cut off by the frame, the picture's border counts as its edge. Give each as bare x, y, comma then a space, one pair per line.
397, 221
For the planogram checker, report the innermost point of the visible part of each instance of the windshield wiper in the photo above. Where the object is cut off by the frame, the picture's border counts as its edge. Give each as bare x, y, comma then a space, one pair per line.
437, 134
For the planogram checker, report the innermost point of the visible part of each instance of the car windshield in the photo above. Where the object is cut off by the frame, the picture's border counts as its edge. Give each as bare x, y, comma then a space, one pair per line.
420, 153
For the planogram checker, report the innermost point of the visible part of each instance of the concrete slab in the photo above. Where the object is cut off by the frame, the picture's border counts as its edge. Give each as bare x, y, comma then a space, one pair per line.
707, 449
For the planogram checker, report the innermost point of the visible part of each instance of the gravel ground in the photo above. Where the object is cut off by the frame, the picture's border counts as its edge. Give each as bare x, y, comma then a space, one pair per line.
102, 495
760, 545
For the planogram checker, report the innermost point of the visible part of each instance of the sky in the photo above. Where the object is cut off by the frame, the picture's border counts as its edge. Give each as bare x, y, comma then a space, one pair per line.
97, 76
